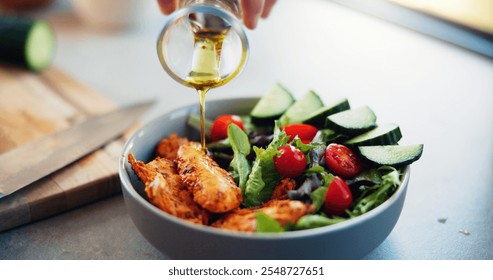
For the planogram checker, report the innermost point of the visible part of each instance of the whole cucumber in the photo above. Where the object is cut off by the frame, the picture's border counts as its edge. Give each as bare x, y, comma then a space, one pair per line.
26, 43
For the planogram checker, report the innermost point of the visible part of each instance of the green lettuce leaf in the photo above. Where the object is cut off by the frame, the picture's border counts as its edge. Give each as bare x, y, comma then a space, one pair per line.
263, 176
305, 148
377, 194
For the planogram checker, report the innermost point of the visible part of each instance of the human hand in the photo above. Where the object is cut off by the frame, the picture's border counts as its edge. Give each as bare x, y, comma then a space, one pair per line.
252, 10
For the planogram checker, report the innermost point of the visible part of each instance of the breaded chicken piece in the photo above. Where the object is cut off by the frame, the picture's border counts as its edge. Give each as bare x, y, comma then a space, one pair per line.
212, 187
165, 190
239, 220
168, 147
281, 190
283, 211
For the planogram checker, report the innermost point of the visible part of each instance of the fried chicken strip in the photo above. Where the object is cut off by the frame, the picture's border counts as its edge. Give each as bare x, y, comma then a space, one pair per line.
213, 188
283, 211
168, 147
164, 189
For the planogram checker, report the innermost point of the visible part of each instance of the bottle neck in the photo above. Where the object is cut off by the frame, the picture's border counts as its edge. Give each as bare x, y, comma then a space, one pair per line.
232, 6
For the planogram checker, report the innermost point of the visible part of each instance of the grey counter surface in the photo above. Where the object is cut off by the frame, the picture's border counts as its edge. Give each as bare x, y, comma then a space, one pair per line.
439, 94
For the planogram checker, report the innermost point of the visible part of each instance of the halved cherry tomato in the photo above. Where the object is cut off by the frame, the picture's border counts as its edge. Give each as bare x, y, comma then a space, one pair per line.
305, 132
291, 162
341, 161
219, 128
338, 197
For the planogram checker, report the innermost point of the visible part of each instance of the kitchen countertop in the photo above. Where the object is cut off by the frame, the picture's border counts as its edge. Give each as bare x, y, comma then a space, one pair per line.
439, 94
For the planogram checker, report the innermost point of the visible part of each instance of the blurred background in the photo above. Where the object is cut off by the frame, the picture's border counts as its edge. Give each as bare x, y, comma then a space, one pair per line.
321, 45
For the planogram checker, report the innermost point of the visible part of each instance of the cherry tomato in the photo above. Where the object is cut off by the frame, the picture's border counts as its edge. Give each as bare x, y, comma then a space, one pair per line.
341, 161
338, 197
219, 128
305, 132
291, 162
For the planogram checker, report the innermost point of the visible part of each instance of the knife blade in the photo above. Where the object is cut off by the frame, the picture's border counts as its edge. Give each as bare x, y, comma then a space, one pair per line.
28, 163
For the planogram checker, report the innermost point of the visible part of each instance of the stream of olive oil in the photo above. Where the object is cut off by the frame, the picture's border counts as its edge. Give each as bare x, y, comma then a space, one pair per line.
205, 72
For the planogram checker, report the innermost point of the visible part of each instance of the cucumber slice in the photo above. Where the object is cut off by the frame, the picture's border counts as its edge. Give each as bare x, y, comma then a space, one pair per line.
302, 108
352, 122
272, 105
318, 117
26, 43
393, 155
388, 134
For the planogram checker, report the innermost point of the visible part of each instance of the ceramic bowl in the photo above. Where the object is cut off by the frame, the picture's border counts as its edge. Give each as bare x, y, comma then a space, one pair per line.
178, 239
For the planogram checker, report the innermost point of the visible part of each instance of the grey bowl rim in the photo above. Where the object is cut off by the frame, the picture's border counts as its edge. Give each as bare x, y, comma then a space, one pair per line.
130, 190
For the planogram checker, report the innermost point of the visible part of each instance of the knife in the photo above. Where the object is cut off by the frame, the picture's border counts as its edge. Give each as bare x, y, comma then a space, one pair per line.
28, 163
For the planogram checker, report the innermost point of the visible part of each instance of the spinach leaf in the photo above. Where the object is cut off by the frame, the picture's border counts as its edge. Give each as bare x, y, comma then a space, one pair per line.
194, 121
318, 197
367, 178
267, 224
221, 145
315, 221
241, 149
314, 170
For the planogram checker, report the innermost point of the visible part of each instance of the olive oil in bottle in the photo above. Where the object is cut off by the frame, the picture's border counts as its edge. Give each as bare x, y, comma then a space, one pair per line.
205, 73
214, 26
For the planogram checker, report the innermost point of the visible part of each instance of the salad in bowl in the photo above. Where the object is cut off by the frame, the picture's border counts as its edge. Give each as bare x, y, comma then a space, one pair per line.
279, 169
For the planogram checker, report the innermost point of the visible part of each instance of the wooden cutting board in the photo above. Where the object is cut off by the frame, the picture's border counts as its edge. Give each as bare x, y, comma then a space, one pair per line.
33, 105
